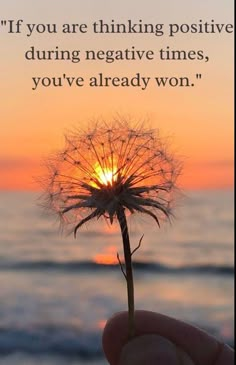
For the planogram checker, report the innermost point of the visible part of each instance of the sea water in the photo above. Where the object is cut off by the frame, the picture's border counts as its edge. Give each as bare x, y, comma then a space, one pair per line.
57, 292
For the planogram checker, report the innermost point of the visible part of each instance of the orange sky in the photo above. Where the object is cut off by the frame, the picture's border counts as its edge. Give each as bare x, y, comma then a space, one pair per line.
199, 119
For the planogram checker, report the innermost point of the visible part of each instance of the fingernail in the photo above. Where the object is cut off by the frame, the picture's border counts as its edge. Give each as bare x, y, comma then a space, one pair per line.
149, 350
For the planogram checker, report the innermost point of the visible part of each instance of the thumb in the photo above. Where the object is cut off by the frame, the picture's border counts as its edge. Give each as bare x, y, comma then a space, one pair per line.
153, 350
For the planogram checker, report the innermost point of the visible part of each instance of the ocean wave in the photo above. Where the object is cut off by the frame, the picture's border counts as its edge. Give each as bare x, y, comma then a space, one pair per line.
78, 266
62, 341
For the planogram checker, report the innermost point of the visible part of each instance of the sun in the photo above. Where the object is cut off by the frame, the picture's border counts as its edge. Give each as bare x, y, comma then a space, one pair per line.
105, 176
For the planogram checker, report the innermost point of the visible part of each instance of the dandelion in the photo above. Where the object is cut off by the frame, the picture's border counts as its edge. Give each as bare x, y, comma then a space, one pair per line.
110, 170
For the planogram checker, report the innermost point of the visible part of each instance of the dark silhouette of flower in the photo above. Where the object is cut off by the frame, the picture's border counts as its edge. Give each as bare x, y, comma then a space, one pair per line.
108, 168
106, 171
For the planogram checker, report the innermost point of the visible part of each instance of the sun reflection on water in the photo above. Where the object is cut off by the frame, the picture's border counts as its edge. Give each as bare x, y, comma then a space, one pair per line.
107, 258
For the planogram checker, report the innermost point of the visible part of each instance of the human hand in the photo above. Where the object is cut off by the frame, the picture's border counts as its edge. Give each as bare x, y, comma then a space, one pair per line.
161, 340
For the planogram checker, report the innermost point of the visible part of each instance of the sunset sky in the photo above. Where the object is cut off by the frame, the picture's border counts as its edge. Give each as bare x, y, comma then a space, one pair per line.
198, 119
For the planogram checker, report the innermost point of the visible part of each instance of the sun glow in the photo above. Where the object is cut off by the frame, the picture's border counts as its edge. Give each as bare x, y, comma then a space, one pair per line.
104, 175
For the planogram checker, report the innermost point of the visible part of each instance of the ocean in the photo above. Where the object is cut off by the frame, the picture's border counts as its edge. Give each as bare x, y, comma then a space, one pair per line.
57, 292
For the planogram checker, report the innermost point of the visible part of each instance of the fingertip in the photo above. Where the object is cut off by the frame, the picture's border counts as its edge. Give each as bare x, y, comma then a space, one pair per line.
200, 346
141, 349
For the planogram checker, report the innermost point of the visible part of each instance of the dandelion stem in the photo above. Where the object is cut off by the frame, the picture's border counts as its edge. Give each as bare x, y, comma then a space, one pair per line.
129, 271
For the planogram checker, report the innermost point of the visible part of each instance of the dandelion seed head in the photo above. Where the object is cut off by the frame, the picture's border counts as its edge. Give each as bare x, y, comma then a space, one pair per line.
110, 168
